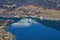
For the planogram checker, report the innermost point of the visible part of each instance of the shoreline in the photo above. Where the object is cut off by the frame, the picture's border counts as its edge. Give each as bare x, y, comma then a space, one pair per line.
5, 35
41, 18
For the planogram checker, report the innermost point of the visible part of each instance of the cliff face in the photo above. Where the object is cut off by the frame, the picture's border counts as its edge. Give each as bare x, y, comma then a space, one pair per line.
55, 4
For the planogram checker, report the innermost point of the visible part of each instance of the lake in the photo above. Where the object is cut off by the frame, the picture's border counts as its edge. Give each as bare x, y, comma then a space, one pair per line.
40, 30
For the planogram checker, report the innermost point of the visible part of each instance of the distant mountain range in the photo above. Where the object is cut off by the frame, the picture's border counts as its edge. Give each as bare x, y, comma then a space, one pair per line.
46, 8
54, 4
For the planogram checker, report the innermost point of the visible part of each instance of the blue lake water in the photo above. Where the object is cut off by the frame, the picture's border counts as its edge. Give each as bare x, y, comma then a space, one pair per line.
35, 32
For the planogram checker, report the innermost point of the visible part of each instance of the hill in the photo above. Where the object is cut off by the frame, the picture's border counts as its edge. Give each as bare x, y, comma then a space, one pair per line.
36, 10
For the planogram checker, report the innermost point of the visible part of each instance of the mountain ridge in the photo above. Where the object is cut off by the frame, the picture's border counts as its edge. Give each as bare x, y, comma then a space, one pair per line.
50, 4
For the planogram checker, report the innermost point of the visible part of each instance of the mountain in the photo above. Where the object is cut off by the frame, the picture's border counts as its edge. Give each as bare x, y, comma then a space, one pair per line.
49, 8
55, 4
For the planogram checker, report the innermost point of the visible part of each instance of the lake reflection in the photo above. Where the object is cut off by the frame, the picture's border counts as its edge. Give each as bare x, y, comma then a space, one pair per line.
34, 32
